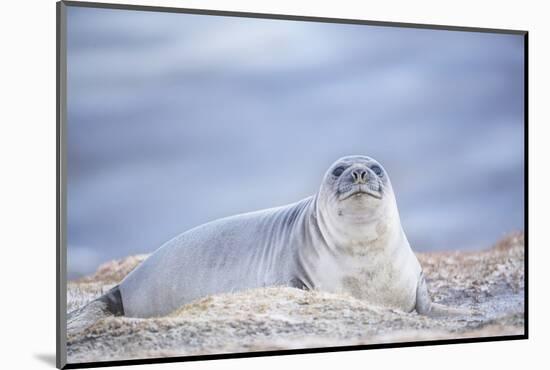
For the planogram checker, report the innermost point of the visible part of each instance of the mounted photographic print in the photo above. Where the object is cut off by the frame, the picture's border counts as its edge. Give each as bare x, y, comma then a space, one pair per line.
235, 184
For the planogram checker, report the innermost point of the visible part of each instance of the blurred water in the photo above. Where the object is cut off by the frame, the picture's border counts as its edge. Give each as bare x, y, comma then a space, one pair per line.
175, 120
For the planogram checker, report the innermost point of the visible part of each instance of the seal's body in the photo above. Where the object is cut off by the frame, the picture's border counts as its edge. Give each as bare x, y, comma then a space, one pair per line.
347, 238
245, 251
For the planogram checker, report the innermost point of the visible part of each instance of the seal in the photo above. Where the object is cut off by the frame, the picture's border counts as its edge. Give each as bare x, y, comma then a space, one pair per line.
347, 238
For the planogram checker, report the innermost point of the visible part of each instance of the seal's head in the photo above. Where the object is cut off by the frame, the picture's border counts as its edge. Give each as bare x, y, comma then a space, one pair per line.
356, 190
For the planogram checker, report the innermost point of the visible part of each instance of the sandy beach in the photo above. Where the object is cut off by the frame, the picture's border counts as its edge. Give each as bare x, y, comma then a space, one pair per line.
489, 282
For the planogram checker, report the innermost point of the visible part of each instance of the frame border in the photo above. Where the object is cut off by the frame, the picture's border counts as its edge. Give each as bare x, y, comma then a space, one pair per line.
61, 184
286, 17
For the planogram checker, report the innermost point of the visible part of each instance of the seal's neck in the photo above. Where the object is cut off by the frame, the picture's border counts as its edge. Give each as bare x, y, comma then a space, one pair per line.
380, 231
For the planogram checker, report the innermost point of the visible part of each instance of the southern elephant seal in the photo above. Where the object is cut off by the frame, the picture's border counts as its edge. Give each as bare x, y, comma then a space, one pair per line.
347, 238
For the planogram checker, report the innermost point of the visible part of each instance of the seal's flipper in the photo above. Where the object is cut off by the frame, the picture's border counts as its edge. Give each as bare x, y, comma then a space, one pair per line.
425, 306
439, 310
298, 283
423, 302
108, 304
113, 301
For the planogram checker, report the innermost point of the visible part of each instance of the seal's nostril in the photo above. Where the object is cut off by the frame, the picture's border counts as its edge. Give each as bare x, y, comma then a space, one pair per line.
359, 175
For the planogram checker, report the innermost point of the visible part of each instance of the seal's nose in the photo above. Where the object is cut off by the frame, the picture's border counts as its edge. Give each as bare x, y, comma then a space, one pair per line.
359, 176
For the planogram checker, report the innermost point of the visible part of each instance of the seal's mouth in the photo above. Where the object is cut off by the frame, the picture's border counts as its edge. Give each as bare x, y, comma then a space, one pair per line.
361, 190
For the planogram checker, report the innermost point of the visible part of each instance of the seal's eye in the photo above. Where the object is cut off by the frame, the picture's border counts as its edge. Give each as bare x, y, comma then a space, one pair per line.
377, 170
338, 171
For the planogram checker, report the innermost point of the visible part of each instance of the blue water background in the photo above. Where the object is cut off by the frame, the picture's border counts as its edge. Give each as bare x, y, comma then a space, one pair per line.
176, 119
